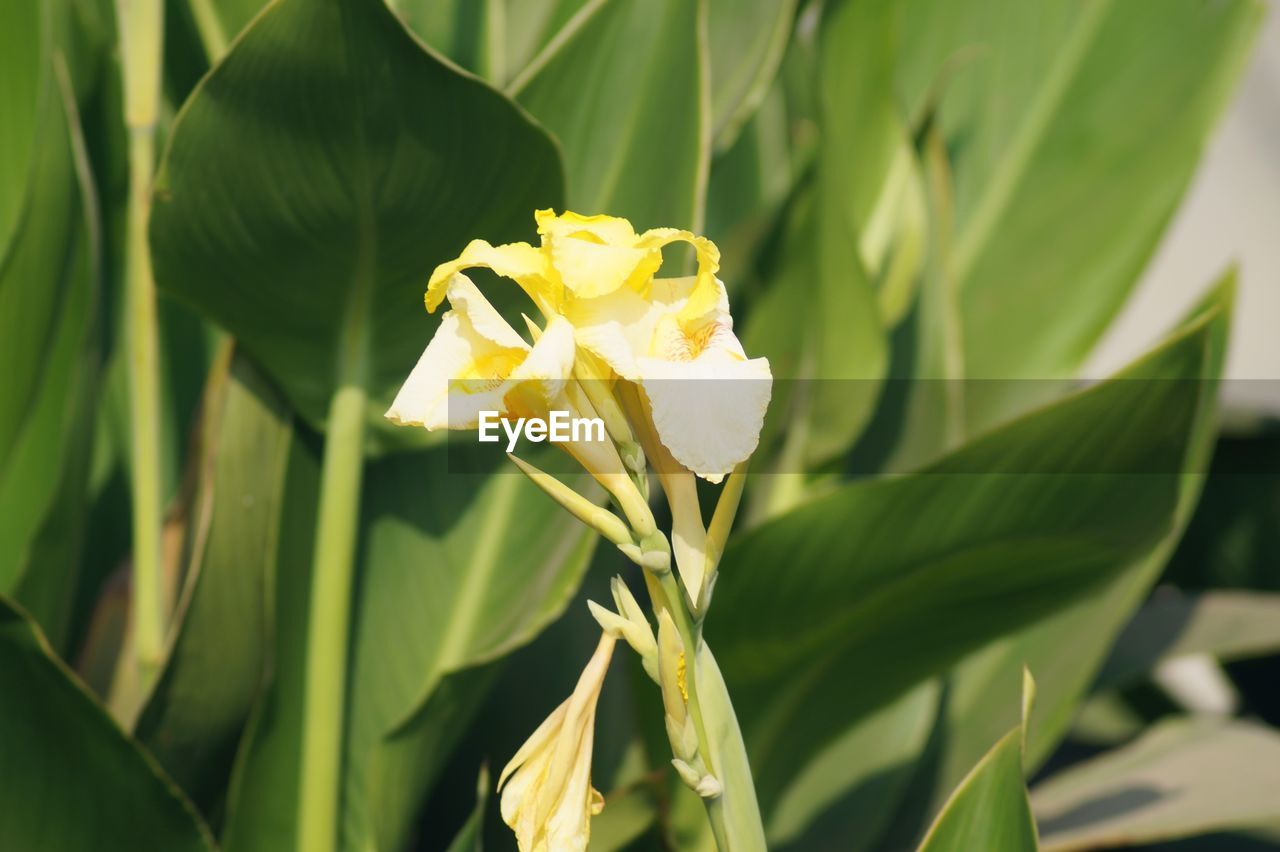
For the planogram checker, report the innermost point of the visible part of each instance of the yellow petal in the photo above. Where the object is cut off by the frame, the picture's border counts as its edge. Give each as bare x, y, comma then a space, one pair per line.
704, 296
595, 255
609, 230
520, 262
616, 328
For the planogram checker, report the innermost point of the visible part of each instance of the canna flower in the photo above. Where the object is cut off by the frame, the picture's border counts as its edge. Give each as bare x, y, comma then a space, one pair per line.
476, 362
672, 337
547, 797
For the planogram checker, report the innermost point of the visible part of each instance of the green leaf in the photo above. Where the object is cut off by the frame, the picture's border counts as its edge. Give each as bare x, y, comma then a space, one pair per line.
314, 179
1008, 529
496, 39
1184, 777
625, 94
746, 43
48, 292
846, 796
1071, 151
212, 675
1228, 625
1068, 647
72, 779
989, 810
455, 570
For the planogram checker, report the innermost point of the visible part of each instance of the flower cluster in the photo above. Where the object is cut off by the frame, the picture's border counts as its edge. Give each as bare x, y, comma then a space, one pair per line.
657, 361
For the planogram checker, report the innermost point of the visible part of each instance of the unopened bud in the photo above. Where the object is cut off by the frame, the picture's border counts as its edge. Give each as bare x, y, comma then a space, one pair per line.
690, 776
637, 634
655, 553
671, 668
598, 518
708, 787
683, 738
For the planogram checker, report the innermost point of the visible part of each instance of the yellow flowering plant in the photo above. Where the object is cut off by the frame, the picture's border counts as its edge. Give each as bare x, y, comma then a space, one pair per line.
660, 357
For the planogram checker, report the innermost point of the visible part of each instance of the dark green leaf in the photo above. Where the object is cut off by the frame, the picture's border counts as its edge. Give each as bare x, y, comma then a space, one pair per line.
48, 293
315, 178
455, 571
213, 674
1068, 647
896, 579
72, 779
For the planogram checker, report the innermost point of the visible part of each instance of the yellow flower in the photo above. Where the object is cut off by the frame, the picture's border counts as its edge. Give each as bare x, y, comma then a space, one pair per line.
477, 362
547, 797
673, 337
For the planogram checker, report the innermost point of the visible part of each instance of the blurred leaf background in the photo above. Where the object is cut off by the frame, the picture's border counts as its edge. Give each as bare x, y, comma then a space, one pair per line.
930, 212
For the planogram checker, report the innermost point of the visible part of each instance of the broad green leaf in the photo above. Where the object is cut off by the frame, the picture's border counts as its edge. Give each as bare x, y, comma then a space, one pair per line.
72, 779
1008, 529
748, 184
846, 796
303, 212
496, 39
1184, 777
989, 810
746, 43
1074, 127
1067, 648
625, 94
48, 298
1227, 625
455, 570
212, 675
25, 42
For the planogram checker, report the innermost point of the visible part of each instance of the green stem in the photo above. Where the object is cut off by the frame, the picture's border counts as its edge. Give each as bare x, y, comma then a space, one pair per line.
141, 27
144, 415
673, 600
329, 621
212, 36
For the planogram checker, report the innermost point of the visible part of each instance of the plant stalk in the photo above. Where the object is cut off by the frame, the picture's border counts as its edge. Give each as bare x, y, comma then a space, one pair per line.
329, 621
141, 25
751, 836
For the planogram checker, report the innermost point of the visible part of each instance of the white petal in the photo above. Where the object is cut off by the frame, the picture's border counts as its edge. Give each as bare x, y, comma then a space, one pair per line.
451, 352
708, 412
